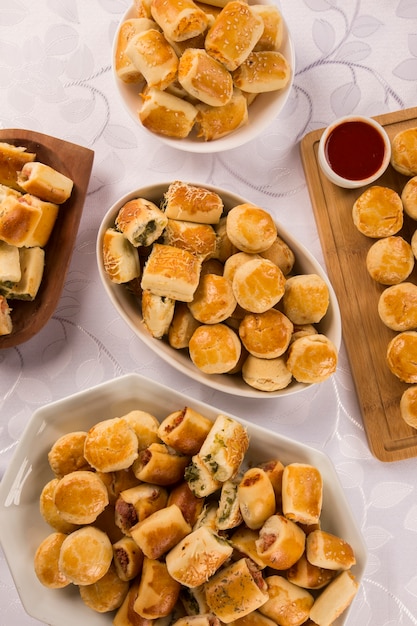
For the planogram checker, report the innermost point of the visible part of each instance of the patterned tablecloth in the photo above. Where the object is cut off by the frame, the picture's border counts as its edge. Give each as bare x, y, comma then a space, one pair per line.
55, 77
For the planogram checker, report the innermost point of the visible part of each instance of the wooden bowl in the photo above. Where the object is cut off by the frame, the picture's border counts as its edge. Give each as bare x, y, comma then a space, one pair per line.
75, 162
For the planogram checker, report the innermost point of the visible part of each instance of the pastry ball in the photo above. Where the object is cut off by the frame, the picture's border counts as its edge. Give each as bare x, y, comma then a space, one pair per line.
107, 594
258, 285
46, 562
390, 260
397, 306
266, 374
250, 228
409, 197
401, 356
214, 348
214, 300
235, 261
49, 510
266, 335
281, 254
378, 212
67, 454
111, 445
312, 359
404, 152
85, 556
408, 406
80, 497
306, 298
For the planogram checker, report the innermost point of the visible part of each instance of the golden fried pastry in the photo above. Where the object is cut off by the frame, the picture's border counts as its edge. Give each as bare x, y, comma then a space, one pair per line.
179, 19
125, 69
192, 203
189, 504
334, 599
85, 556
120, 258
153, 57
205, 78
213, 300
160, 531
404, 152
224, 447
243, 540
67, 453
171, 272
45, 182
229, 514
281, 542
111, 445
32, 265
281, 254
141, 221
266, 374
167, 114
46, 562
309, 576
106, 594
234, 261
378, 212
273, 33
160, 465
49, 510
48, 216
306, 298
201, 481
408, 406
256, 497
409, 197
244, 28
12, 159
302, 493
18, 221
401, 356
258, 285
185, 430
312, 359
145, 426
182, 326
216, 122
397, 306
157, 313
80, 497
266, 335
214, 348
136, 504
250, 228
390, 260
288, 603
6, 323
324, 549
158, 592
200, 239
262, 71
127, 558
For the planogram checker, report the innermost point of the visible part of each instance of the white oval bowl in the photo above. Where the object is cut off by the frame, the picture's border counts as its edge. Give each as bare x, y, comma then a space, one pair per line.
262, 111
127, 305
22, 528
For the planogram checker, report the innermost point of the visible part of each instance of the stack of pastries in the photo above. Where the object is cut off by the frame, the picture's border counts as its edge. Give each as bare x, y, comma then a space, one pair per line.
30, 196
166, 520
199, 65
218, 285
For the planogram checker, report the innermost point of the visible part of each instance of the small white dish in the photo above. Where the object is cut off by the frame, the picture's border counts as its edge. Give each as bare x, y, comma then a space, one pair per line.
22, 527
129, 309
354, 151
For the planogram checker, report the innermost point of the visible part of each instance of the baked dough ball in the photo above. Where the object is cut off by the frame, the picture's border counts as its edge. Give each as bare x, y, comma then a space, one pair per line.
397, 306
80, 497
258, 285
214, 348
404, 152
409, 197
46, 562
49, 510
312, 359
250, 228
107, 594
306, 298
390, 260
266, 374
85, 556
281, 254
235, 261
408, 406
214, 300
401, 356
378, 212
111, 445
266, 335
67, 454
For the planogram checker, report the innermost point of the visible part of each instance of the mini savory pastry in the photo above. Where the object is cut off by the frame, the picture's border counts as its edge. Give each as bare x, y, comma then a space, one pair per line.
120, 258
80, 497
46, 561
179, 19
47, 219
236, 590
408, 406
205, 78
262, 71
281, 254
250, 228
125, 69
397, 306
157, 313
306, 298
171, 272
324, 549
266, 335
85, 555
185, 430
302, 493
182, 326
189, 504
309, 576
390, 260
258, 285
214, 348
160, 465
234, 261
145, 426
153, 57
256, 497
200, 239
111, 445
213, 300
158, 592
378, 212
106, 594
67, 454
287, 603
49, 511
225, 248
127, 558
137, 503
161, 531
225, 447
18, 221
183, 201
244, 28
312, 359
409, 197
274, 470
32, 265
334, 599
266, 374
273, 33
401, 357
404, 152
166, 114
281, 542
200, 479
141, 221
45, 182
229, 514
243, 540
12, 160
6, 323
216, 122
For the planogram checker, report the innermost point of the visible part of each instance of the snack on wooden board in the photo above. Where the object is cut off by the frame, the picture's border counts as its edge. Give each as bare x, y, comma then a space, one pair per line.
164, 552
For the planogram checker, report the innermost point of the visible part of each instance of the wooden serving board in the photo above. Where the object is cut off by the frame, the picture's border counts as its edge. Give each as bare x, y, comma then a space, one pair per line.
365, 336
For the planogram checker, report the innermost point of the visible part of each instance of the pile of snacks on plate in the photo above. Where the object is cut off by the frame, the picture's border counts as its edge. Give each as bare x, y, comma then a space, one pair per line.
200, 65
30, 196
166, 519
218, 285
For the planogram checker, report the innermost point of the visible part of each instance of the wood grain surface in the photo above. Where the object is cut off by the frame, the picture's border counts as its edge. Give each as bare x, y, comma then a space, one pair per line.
365, 336
75, 162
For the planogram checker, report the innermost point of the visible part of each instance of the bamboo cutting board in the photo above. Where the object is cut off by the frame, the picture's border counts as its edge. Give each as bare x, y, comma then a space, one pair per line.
365, 336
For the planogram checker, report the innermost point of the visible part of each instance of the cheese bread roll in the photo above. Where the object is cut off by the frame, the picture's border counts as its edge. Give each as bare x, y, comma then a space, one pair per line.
312, 358
153, 57
281, 542
288, 604
166, 114
404, 152
258, 285
281, 254
324, 549
85, 555
67, 454
378, 212
204, 77
125, 69
409, 197
262, 71
106, 594
266, 374
397, 306
214, 300
200, 239
185, 430
192, 203
171, 272
215, 122
302, 493
179, 19
214, 348
46, 561
266, 335
141, 221
401, 352
390, 260
256, 497
49, 511
160, 531
12, 160
80, 497
250, 228
157, 313
306, 298
120, 258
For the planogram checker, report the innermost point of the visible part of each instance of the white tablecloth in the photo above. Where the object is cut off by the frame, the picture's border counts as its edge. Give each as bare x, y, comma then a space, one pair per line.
55, 77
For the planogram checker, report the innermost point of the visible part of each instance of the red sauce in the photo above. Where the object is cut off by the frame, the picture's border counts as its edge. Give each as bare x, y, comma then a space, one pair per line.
355, 150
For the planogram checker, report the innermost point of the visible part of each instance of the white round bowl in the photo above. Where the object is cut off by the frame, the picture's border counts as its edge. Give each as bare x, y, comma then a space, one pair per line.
128, 308
22, 528
262, 111
326, 167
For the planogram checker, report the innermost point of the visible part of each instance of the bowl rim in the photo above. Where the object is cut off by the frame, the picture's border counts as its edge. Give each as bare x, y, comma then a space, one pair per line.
175, 358
238, 137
